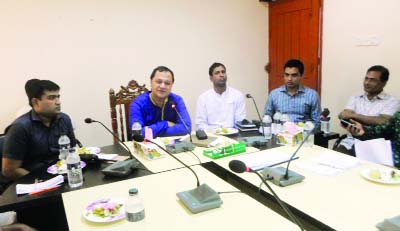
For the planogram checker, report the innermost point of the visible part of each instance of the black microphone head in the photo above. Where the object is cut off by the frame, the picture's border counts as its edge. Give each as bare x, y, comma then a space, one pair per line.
249, 96
88, 120
325, 113
237, 166
138, 138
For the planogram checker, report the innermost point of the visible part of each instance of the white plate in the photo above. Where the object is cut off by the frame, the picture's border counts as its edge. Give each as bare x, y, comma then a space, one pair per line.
62, 169
385, 175
88, 211
229, 131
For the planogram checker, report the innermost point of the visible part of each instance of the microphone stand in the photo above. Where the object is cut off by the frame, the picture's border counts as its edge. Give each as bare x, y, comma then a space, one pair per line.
183, 122
199, 199
121, 168
165, 150
115, 136
283, 176
258, 140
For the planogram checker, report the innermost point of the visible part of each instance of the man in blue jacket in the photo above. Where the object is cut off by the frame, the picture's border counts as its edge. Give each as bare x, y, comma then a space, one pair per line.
158, 108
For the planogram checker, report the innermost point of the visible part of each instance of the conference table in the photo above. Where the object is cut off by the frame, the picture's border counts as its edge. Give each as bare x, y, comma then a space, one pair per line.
343, 200
165, 212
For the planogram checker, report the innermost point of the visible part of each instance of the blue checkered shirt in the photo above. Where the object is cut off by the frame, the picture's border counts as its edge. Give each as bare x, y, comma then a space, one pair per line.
302, 106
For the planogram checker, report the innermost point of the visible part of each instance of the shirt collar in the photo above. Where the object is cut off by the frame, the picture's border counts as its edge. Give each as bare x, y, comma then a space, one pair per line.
154, 103
35, 116
380, 96
284, 89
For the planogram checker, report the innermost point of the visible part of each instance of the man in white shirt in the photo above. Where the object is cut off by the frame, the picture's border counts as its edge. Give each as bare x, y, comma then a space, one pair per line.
372, 107
220, 106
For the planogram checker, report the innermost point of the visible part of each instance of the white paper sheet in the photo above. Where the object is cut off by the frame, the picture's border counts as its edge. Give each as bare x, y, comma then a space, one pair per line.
329, 164
103, 156
376, 150
262, 159
28, 188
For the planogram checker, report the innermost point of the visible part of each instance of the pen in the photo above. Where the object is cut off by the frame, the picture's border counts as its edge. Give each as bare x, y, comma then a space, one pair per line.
45, 190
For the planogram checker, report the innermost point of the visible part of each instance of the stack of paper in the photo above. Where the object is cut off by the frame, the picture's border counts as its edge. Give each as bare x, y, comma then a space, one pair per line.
329, 164
29, 188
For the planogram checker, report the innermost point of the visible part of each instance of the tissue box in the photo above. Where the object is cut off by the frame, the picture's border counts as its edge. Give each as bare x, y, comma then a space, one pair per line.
286, 138
149, 151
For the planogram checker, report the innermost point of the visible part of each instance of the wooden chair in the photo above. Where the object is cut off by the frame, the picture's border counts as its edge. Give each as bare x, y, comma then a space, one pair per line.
122, 100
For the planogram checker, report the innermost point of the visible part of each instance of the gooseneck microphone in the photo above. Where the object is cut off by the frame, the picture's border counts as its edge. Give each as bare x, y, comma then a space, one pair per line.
261, 141
240, 167
286, 177
165, 150
89, 121
283, 176
199, 199
173, 105
121, 168
258, 113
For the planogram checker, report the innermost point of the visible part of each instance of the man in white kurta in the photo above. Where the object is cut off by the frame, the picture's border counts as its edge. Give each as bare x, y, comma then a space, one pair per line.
221, 106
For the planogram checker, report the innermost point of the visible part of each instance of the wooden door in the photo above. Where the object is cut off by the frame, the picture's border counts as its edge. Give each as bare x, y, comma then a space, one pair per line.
295, 33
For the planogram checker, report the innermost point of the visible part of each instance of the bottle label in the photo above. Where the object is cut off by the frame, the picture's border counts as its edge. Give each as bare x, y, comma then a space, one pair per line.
74, 166
133, 217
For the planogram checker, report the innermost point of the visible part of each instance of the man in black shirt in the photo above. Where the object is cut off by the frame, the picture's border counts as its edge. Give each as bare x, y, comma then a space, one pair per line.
31, 141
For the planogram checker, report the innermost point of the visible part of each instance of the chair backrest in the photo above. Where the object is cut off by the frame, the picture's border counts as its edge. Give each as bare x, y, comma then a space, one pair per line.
120, 106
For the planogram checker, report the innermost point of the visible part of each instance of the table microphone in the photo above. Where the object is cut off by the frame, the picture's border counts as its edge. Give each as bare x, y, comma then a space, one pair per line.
283, 176
325, 113
121, 168
258, 139
199, 199
173, 105
240, 167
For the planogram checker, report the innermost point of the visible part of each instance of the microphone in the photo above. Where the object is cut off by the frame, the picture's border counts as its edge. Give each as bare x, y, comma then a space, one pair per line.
240, 167
258, 139
122, 168
283, 176
324, 114
173, 105
199, 199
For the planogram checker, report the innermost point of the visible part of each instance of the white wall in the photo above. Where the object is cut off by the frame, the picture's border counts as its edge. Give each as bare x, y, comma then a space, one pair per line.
88, 47
345, 64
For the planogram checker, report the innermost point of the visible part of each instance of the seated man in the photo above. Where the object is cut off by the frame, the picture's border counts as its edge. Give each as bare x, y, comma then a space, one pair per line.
220, 106
372, 107
299, 102
389, 130
158, 108
31, 141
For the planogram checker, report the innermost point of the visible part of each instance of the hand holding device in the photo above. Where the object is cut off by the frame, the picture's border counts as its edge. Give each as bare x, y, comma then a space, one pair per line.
346, 123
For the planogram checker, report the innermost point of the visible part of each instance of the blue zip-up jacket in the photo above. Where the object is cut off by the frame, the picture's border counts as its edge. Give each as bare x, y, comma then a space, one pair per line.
148, 114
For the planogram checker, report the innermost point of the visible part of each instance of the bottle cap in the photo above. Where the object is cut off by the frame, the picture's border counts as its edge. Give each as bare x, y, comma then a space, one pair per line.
133, 191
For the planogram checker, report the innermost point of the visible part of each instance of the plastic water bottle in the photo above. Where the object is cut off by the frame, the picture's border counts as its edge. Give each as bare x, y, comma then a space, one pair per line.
134, 207
136, 129
65, 144
74, 170
308, 127
267, 121
276, 125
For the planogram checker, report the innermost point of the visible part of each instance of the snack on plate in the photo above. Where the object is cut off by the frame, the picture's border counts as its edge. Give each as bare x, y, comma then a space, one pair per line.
104, 208
395, 175
221, 130
375, 174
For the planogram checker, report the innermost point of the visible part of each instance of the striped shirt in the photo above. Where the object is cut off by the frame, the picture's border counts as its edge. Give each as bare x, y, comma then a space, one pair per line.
302, 106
